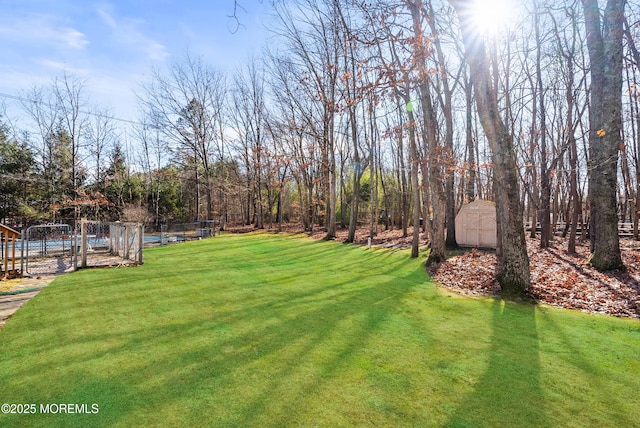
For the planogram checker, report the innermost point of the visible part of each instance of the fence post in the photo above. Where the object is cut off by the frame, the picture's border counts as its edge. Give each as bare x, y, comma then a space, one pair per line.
141, 243
13, 253
6, 255
119, 236
113, 239
76, 247
23, 235
83, 242
125, 255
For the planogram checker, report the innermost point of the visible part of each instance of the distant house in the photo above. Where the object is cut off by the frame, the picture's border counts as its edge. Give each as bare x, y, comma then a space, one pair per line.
476, 225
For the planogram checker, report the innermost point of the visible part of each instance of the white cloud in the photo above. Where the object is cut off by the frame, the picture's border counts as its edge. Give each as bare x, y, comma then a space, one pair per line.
59, 66
73, 38
130, 34
45, 30
107, 18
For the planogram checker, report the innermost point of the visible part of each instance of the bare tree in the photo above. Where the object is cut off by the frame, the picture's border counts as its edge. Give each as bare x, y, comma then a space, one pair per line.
420, 50
59, 117
513, 267
604, 43
567, 41
100, 135
296, 123
445, 95
185, 105
311, 34
250, 116
152, 149
68, 92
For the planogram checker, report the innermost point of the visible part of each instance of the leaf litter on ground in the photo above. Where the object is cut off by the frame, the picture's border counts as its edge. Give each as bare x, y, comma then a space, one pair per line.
557, 278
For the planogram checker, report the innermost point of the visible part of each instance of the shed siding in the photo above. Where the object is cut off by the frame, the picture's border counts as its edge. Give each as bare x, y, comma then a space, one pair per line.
476, 225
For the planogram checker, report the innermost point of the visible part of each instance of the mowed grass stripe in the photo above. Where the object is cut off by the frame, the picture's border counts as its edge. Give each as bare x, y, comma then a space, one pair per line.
264, 330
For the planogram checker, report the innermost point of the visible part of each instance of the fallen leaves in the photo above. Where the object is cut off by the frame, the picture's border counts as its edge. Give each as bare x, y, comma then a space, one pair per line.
472, 273
557, 278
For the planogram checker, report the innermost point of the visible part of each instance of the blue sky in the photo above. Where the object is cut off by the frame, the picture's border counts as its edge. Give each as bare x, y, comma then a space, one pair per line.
114, 44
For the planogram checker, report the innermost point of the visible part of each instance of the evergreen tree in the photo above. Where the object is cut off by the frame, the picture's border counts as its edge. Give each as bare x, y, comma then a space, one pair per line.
16, 161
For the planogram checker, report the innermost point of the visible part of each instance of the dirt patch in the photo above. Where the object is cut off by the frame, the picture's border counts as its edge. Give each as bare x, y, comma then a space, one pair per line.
16, 292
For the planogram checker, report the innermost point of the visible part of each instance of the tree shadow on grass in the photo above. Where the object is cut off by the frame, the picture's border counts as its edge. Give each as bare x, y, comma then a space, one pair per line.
509, 393
228, 364
593, 369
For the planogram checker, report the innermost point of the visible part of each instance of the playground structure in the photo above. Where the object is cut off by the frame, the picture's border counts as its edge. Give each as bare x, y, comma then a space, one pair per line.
58, 248
9, 236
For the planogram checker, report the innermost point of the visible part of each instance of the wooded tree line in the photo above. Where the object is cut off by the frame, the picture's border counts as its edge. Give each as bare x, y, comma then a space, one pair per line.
390, 114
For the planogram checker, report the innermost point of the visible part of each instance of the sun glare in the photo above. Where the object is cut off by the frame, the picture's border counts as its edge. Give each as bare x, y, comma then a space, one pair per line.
493, 16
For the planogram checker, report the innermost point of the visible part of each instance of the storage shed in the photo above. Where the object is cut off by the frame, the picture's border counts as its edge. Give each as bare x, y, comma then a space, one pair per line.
476, 225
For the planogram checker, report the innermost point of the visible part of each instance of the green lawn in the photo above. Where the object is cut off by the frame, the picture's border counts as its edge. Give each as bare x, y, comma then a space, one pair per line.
264, 330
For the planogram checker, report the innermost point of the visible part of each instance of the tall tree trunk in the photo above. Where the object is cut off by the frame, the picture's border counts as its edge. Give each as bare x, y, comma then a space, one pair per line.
635, 125
470, 190
353, 121
415, 189
532, 172
430, 139
605, 124
357, 174
576, 203
330, 210
447, 109
198, 196
545, 187
343, 201
373, 181
513, 274
402, 170
636, 106
574, 209
355, 203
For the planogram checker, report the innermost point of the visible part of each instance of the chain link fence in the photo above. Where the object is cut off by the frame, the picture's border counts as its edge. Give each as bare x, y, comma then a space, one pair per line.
126, 240
59, 248
182, 232
48, 249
